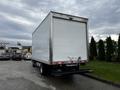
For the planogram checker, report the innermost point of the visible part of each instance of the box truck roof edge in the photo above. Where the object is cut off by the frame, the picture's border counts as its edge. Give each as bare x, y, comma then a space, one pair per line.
61, 14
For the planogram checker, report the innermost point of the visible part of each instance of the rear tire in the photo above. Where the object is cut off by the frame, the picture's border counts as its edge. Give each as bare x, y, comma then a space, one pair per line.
33, 63
43, 69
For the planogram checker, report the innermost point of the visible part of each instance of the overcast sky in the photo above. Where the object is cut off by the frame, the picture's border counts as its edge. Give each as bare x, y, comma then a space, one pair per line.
19, 18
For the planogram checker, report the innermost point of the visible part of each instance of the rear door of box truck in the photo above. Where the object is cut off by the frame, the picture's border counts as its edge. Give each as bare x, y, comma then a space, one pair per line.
69, 40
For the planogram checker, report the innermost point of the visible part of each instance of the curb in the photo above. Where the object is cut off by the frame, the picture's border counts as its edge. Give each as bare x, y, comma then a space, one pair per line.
102, 80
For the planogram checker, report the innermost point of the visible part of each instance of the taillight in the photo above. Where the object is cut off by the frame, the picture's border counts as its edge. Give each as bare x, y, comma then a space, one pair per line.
83, 61
58, 62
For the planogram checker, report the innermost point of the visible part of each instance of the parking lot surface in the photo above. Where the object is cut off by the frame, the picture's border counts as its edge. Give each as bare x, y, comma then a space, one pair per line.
20, 75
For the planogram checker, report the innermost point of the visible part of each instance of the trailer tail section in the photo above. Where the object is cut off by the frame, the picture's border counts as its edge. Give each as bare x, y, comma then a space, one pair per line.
60, 43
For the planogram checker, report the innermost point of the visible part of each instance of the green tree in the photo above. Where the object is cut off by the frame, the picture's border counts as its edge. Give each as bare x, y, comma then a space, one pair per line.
115, 53
119, 48
93, 50
101, 50
109, 49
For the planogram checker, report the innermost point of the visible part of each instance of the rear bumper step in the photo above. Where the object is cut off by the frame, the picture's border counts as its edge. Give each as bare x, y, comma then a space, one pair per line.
81, 71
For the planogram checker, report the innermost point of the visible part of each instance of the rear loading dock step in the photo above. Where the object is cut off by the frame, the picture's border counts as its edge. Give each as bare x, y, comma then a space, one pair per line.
81, 71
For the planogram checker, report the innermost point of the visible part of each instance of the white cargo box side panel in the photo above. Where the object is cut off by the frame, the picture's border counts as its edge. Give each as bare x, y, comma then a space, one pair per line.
40, 44
69, 40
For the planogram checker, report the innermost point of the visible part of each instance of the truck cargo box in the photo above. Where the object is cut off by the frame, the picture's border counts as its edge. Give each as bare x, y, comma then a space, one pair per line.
60, 39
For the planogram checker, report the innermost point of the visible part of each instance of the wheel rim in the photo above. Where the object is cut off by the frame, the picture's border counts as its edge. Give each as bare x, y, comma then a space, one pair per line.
41, 69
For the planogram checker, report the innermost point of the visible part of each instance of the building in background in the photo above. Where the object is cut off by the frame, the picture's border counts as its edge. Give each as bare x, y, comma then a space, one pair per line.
27, 49
15, 52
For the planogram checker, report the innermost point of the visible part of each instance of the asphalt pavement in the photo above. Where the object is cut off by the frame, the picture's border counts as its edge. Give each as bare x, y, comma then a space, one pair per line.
20, 75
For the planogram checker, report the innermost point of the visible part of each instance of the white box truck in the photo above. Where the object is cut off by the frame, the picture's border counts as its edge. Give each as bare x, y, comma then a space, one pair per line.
60, 43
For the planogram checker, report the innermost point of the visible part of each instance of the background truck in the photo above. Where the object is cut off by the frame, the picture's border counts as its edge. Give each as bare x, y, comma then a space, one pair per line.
4, 54
60, 44
27, 56
16, 52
